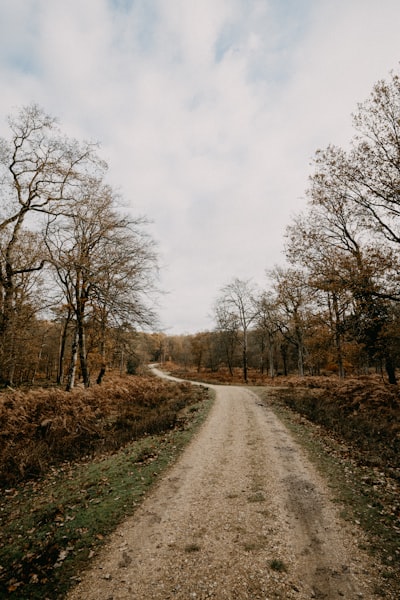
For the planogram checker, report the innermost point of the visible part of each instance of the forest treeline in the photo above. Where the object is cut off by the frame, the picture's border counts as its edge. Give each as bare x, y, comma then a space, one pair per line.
77, 275
334, 306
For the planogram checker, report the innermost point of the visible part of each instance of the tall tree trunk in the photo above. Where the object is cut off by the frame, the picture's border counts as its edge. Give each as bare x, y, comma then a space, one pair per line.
102, 371
390, 370
338, 337
300, 347
63, 345
271, 356
230, 366
284, 359
37, 365
81, 298
300, 360
229, 350
245, 356
262, 354
73, 361
82, 354
7, 334
11, 361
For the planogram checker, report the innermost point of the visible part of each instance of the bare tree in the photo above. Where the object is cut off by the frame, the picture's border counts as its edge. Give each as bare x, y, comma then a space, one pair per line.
105, 266
267, 328
333, 242
38, 171
238, 306
291, 299
227, 330
373, 164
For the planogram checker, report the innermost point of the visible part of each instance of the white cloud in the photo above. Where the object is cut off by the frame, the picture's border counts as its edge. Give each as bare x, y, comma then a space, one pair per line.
209, 113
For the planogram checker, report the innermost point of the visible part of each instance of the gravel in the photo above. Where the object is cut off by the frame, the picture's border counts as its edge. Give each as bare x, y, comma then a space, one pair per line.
242, 515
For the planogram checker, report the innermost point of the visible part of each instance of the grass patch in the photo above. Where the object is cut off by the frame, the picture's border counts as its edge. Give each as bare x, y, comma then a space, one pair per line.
256, 497
189, 548
277, 565
52, 527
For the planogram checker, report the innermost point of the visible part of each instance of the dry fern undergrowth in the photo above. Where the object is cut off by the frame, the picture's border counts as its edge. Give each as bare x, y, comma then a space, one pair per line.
43, 427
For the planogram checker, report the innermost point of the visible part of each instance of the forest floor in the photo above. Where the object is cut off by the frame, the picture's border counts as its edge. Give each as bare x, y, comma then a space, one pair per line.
243, 514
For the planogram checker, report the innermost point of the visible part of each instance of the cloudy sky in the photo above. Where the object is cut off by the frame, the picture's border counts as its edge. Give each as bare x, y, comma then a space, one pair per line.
208, 113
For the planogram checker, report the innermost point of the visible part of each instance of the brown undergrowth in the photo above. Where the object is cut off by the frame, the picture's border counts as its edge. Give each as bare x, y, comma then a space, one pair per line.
364, 411
43, 427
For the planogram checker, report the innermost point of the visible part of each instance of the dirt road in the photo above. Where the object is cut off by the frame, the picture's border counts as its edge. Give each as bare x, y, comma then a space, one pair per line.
242, 515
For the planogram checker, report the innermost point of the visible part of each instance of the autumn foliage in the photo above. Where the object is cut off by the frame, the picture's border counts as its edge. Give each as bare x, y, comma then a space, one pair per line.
364, 412
43, 427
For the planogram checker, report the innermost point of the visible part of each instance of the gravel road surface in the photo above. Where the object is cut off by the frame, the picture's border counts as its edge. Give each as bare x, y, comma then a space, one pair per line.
242, 515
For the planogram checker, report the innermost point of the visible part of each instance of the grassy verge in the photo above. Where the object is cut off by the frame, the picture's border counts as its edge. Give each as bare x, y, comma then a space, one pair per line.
368, 494
52, 527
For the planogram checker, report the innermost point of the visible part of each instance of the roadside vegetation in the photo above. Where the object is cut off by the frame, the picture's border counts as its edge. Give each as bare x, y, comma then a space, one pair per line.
73, 466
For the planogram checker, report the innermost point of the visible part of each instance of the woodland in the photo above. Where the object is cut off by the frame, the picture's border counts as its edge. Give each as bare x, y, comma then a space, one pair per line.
78, 320
77, 276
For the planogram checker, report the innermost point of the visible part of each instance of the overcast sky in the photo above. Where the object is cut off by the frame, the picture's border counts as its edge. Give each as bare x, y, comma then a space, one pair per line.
208, 113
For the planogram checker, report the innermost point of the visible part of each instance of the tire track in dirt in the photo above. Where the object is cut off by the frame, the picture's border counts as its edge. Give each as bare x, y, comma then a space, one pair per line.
323, 555
242, 515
